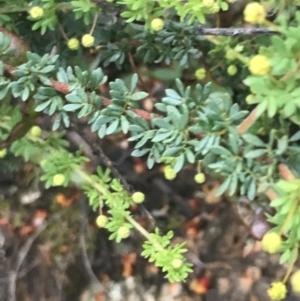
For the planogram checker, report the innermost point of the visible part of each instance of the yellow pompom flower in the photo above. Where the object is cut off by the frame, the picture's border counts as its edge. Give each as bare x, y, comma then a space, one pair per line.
73, 44
58, 179
169, 173
259, 65
254, 13
123, 232
177, 263
36, 131
87, 40
199, 177
271, 242
157, 24
101, 221
138, 197
232, 70
200, 73
277, 291
3, 152
295, 282
36, 12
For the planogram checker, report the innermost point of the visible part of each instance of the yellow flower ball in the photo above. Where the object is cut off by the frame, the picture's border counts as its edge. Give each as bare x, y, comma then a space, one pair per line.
254, 13
295, 282
259, 65
36, 131
73, 44
277, 291
87, 40
200, 73
199, 177
271, 242
169, 173
3, 152
101, 221
58, 179
177, 263
123, 232
232, 70
36, 12
138, 197
157, 24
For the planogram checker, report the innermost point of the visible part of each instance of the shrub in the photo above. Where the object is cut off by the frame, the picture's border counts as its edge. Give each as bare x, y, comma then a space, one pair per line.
253, 145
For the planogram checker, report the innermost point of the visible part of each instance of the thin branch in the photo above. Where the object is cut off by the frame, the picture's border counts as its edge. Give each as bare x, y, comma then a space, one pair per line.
13, 275
236, 31
135, 69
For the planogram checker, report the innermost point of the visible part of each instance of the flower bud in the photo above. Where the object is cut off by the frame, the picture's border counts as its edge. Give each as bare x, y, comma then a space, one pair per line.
101, 221
123, 232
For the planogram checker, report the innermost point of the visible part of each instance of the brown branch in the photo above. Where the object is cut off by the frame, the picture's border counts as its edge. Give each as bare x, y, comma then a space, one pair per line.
135, 69
248, 121
286, 173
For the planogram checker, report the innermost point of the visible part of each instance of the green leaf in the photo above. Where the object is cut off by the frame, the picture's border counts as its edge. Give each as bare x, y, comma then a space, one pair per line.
124, 124
190, 156
41, 107
139, 152
285, 256
219, 150
179, 163
255, 153
254, 140
174, 114
279, 45
112, 127
295, 137
138, 96
251, 190
160, 136
72, 107
233, 184
224, 186
261, 108
134, 78
233, 143
282, 145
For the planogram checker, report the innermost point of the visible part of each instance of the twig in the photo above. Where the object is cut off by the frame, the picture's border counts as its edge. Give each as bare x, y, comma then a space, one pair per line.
13, 275
134, 68
99, 151
83, 248
248, 121
236, 31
